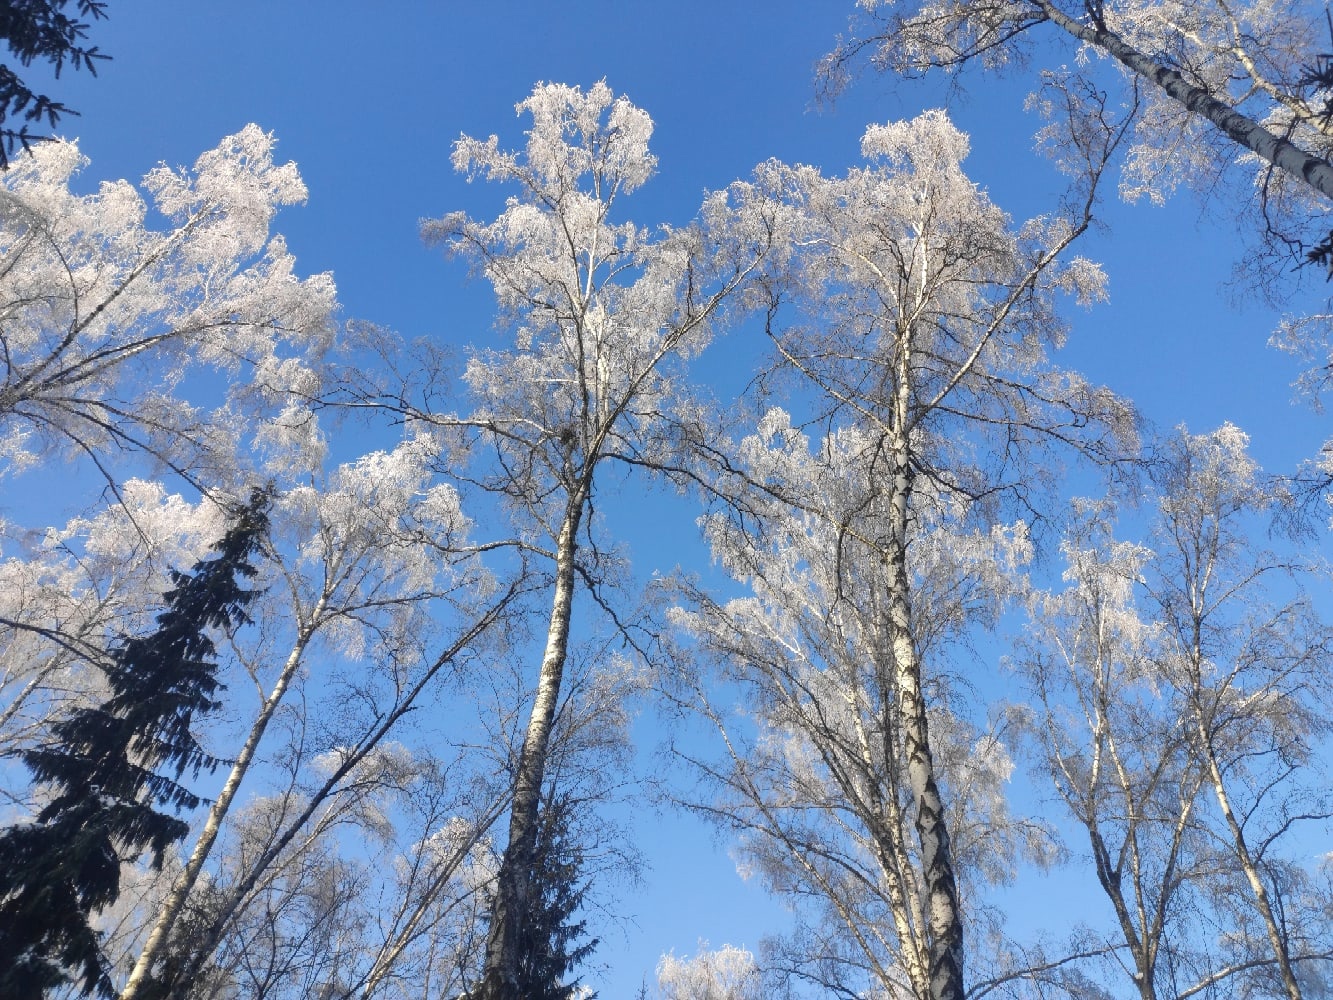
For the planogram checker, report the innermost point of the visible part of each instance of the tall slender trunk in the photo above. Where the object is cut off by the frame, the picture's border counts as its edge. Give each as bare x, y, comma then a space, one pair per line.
1246, 859
184, 884
944, 916
500, 980
1239, 128
887, 828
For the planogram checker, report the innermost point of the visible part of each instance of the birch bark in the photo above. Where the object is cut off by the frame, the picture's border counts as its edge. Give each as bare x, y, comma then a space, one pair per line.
1313, 171
944, 910
511, 897
917, 323
1245, 858
604, 317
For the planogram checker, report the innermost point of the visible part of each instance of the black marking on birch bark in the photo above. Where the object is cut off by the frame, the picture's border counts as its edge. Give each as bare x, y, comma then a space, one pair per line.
1240, 128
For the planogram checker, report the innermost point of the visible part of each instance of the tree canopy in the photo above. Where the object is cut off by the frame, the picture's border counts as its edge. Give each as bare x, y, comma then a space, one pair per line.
796, 569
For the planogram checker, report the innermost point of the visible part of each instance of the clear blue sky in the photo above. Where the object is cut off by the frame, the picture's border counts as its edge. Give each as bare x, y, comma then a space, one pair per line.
368, 97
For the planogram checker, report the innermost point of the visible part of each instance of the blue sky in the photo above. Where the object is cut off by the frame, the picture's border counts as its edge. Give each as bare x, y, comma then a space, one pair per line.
368, 99
369, 107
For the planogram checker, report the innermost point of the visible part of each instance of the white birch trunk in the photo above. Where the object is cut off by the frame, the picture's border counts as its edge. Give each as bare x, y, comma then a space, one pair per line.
886, 827
1241, 129
1246, 861
500, 981
944, 916
180, 891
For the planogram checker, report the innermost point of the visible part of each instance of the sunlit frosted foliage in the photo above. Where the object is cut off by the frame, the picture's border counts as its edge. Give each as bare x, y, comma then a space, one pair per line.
378, 525
1217, 96
66, 596
918, 323
726, 973
1254, 56
907, 265
105, 317
601, 311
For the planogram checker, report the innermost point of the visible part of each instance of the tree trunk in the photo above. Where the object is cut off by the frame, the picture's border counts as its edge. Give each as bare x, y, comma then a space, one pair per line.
500, 980
1241, 129
1246, 860
413, 913
944, 915
180, 891
887, 827
202, 949
1110, 876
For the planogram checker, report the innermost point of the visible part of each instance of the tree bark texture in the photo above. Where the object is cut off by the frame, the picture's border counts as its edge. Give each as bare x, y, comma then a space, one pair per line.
944, 916
500, 979
1310, 170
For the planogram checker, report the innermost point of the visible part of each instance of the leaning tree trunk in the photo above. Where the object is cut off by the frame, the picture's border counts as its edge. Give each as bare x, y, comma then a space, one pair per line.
206, 941
1310, 170
1244, 856
172, 906
511, 905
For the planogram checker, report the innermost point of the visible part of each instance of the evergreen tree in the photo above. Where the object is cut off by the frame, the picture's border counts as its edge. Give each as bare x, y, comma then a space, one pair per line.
548, 938
40, 29
102, 768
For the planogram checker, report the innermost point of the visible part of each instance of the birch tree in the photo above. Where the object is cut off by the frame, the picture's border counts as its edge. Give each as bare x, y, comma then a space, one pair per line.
1220, 82
102, 315
604, 316
1223, 95
1248, 670
1181, 684
726, 973
1114, 749
920, 321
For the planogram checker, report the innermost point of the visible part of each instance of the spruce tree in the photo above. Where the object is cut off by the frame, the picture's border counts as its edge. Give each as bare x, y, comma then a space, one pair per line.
548, 947
109, 769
